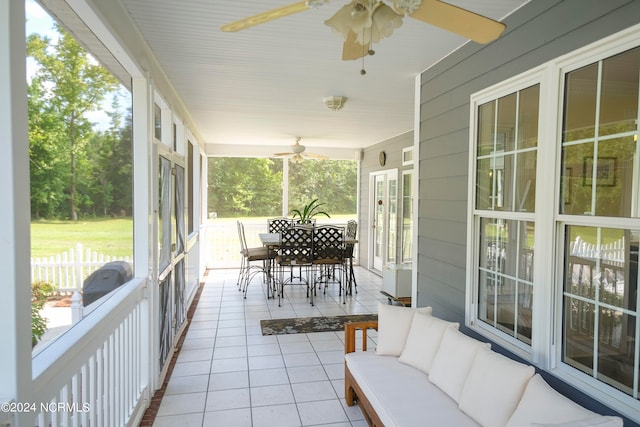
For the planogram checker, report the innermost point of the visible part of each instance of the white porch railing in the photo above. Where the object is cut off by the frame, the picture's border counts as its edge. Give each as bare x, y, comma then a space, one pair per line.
68, 270
96, 374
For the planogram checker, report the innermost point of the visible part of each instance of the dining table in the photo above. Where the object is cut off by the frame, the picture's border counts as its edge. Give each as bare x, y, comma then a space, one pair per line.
272, 241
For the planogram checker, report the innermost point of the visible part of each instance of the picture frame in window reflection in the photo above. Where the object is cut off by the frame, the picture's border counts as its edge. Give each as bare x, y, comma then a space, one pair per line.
567, 184
605, 173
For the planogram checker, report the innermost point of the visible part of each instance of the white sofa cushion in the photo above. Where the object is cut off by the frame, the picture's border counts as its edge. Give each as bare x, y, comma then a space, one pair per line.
394, 322
401, 395
557, 409
453, 361
424, 340
597, 421
494, 378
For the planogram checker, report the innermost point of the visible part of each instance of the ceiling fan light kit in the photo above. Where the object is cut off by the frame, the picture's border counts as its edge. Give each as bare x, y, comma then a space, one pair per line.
297, 153
363, 22
369, 20
334, 103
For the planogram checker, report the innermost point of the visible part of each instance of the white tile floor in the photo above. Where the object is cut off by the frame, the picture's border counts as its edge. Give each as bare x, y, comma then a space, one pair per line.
229, 374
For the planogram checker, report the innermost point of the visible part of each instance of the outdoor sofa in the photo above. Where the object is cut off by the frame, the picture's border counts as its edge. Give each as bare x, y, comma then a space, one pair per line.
424, 372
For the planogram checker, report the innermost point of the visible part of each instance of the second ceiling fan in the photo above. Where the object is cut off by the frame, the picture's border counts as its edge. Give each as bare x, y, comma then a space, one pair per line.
297, 153
363, 22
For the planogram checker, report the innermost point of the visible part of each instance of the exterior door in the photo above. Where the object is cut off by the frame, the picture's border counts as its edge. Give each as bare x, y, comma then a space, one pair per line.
384, 217
171, 243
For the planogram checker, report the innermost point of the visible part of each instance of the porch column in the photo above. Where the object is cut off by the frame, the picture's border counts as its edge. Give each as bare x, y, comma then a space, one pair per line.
285, 187
15, 286
145, 239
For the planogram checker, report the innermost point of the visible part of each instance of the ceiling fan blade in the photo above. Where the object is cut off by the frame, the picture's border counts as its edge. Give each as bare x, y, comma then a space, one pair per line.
282, 154
351, 49
315, 156
267, 16
460, 21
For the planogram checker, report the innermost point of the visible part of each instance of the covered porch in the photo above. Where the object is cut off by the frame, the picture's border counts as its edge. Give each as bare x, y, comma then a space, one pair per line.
107, 370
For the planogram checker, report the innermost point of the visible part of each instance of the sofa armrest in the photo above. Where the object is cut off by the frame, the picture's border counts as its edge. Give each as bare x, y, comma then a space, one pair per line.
350, 329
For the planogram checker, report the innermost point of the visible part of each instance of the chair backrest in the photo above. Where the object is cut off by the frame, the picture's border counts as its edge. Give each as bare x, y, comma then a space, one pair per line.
352, 230
298, 221
328, 244
276, 225
296, 244
241, 236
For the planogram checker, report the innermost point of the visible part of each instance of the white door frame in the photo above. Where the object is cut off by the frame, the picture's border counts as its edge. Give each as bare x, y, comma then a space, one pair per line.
377, 262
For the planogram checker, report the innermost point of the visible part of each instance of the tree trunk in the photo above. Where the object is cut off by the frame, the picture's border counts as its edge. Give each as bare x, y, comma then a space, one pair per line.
72, 188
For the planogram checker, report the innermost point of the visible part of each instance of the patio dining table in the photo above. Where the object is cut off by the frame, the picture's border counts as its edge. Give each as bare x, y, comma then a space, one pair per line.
272, 241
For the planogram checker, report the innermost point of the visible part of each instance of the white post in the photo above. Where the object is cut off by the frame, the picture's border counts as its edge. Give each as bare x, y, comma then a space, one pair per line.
15, 304
77, 267
77, 311
285, 187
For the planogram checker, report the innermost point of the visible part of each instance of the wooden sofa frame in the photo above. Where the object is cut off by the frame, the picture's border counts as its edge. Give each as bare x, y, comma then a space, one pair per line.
352, 391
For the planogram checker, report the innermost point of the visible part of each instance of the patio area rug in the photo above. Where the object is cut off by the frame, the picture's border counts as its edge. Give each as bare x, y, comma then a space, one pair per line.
303, 325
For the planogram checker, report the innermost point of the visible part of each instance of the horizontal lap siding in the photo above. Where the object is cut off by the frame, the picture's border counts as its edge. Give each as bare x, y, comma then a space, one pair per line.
538, 32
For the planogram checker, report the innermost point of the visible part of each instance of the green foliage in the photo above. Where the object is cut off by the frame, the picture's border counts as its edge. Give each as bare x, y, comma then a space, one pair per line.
40, 292
309, 211
244, 187
332, 181
250, 187
75, 171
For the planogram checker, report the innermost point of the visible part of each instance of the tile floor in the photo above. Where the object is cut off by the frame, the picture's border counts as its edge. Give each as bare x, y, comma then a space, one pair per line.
229, 374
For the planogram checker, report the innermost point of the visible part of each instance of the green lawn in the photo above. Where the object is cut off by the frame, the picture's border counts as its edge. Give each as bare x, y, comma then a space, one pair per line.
108, 236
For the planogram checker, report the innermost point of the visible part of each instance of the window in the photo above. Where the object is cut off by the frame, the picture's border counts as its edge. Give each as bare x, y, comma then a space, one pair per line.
506, 157
157, 122
599, 212
407, 217
553, 273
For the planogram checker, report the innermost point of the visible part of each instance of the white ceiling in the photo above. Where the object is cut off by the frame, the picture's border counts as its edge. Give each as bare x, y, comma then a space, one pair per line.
264, 86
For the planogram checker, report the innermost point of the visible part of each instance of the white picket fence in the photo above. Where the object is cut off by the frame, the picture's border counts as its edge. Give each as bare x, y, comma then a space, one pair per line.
68, 270
613, 252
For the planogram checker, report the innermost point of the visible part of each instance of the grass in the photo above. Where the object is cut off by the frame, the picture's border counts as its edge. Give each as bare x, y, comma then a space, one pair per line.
113, 237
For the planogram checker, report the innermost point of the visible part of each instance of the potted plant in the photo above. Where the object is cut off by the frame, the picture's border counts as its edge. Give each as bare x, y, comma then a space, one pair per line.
309, 211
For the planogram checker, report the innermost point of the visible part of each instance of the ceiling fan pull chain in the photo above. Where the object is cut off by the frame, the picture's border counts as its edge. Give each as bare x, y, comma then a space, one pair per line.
362, 70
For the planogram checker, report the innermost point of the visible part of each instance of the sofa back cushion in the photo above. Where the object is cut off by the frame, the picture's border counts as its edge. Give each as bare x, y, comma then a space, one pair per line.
542, 404
394, 322
453, 362
424, 340
494, 378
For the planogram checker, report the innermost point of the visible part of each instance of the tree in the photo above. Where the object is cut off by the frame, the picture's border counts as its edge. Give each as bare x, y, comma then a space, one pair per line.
245, 186
332, 182
70, 83
48, 162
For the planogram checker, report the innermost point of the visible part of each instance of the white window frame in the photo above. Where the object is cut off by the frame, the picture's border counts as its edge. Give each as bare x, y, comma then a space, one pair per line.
407, 156
523, 81
547, 334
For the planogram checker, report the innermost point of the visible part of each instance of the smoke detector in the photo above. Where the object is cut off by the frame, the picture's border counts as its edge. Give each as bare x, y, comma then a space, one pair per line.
334, 103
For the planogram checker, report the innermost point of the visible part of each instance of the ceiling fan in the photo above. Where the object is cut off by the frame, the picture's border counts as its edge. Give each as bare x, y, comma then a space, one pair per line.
297, 153
363, 22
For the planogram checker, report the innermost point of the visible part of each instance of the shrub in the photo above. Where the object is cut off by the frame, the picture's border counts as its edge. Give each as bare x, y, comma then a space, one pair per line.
40, 292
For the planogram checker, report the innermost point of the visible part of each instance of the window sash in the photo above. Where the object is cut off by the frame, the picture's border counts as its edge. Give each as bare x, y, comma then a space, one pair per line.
551, 218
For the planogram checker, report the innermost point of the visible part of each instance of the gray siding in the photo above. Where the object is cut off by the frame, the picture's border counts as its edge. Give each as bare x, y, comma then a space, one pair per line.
538, 32
393, 147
